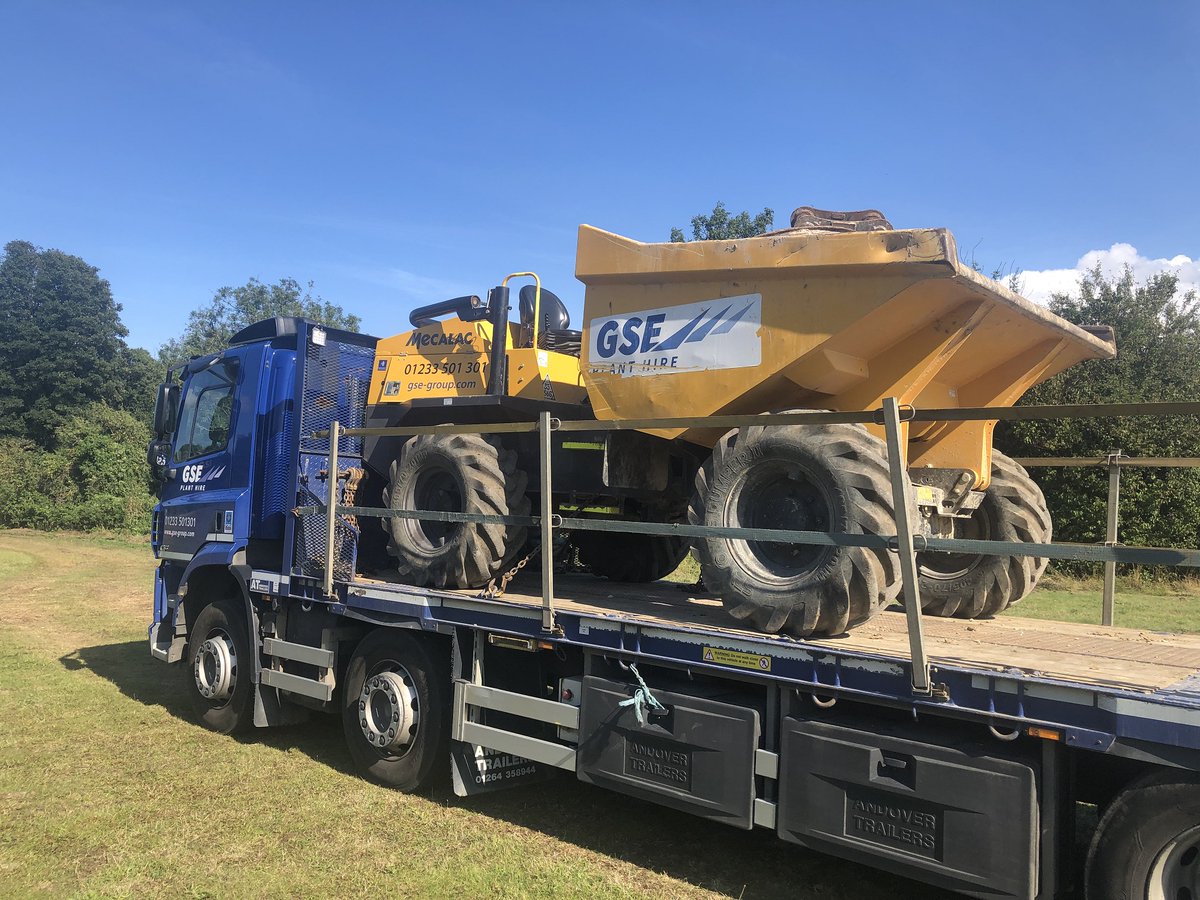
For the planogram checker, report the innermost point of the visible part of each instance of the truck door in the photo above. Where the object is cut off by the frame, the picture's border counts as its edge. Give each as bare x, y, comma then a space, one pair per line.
206, 496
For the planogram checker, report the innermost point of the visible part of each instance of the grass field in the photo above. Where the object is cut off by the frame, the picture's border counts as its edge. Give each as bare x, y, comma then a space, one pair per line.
108, 789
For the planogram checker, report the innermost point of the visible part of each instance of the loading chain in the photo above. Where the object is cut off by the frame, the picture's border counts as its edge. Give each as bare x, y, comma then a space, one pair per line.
354, 477
491, 592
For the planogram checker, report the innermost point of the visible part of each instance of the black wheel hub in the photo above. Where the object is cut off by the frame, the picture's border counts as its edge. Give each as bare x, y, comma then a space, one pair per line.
951, 566
781, 496
437, 490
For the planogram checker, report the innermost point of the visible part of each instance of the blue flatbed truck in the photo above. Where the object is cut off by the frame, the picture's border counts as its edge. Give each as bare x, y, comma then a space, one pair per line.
965, 775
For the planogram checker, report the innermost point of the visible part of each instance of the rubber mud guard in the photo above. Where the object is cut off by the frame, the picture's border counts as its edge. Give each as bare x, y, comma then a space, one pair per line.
949, 816
697, 757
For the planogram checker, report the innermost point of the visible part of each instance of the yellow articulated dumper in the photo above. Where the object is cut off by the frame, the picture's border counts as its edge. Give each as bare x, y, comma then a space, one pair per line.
836, 313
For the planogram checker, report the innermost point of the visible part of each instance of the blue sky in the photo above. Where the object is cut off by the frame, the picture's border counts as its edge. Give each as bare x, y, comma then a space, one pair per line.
398, 154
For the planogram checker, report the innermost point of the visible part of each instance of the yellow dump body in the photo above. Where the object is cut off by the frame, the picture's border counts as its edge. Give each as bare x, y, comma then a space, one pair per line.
809, 319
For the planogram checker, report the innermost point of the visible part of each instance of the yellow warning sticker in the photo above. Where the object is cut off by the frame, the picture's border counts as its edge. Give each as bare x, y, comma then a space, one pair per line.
737, 658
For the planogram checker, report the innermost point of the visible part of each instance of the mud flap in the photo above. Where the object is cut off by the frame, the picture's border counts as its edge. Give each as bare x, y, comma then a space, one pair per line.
696, 756
955, 817
478, 770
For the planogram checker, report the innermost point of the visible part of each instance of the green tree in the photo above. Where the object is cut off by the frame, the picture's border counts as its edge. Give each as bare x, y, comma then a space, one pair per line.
1158, 342
720, 226
210, 327
96, 477
63, 345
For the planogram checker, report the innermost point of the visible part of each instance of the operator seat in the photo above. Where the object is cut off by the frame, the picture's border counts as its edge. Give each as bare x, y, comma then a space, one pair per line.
555, 332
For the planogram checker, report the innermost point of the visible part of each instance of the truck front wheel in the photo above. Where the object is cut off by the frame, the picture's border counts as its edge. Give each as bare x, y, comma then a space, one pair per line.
219, 666
1147, 843
395, 709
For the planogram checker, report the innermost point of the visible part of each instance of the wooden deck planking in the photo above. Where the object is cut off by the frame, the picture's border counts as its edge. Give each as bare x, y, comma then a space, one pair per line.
1121, 657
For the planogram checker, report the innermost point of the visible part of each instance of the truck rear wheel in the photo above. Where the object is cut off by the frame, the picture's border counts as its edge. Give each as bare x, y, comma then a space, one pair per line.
828, 478
636, 558
1147, 843
974, 586
462, 473
395, 709
219, 666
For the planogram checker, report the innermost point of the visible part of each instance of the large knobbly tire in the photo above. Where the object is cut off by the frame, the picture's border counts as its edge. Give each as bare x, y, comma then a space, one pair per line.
828, 478
971, 587
636, 558
464, 473
1147, 843
220, 667
396, 708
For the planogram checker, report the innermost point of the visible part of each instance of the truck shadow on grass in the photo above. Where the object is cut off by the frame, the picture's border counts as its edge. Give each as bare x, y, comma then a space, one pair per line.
706, 854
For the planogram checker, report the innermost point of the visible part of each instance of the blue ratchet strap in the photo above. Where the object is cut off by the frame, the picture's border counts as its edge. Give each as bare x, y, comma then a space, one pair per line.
641, 699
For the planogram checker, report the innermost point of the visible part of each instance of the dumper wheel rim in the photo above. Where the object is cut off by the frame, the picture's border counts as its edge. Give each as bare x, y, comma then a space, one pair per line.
943, 567
463, 473
831, 590
1013, 509
776, 495
402, 668
436, 488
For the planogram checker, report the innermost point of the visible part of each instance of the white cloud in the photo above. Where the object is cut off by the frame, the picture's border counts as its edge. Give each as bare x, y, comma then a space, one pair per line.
1039, 285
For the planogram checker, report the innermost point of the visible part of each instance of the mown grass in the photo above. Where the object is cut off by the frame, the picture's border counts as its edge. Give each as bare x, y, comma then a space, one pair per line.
107, 788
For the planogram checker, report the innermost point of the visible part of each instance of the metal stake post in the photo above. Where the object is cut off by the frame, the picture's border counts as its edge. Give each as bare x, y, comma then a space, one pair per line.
1110, 535
331, 506
547, 513
908, 555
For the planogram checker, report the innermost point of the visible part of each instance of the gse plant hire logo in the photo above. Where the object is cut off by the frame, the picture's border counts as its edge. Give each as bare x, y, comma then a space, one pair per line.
712, 334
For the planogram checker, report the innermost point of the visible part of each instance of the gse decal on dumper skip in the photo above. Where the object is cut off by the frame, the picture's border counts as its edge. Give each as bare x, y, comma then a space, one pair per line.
713, 334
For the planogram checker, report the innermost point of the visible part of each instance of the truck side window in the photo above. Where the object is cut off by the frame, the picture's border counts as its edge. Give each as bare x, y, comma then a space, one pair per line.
206, 419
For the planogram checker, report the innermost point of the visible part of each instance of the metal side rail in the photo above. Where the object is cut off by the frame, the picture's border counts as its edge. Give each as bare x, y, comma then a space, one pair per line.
318, 689
468, 697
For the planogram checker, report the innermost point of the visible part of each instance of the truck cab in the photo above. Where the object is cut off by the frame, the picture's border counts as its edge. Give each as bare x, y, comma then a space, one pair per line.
225, 446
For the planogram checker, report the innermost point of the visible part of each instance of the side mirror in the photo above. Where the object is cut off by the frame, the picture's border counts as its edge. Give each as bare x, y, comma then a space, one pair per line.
166, 408
158, 455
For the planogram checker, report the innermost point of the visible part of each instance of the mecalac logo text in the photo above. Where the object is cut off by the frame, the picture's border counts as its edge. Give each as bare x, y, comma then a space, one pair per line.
422, 339
692, 337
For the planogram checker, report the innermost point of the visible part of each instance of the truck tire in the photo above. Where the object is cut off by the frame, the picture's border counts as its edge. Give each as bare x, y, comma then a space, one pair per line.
1147, 843
972, 587
465, 473
219, 667
830, 478
396, 709
635, 558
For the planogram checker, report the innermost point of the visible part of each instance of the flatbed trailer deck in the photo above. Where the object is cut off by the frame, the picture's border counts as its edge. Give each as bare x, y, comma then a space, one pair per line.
1105, 686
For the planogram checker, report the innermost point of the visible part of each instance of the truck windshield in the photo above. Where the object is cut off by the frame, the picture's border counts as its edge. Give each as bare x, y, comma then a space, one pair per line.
207, 414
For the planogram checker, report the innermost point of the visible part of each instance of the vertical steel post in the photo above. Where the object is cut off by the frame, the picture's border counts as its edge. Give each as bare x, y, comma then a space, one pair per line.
908, 555
331, 506
1110, 535
547, 513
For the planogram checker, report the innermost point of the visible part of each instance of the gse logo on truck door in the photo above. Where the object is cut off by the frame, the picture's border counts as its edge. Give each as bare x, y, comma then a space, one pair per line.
192, 475
692, 337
